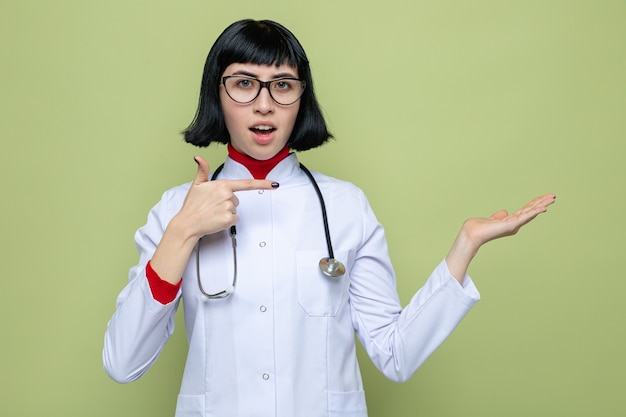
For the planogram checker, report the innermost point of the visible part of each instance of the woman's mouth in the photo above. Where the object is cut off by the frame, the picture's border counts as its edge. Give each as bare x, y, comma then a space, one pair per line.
263, 133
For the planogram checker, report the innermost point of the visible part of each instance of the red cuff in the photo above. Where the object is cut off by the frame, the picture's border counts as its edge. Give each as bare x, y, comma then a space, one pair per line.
162, 291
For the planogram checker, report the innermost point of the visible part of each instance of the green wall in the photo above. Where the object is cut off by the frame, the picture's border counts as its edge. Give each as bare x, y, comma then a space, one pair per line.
441, 110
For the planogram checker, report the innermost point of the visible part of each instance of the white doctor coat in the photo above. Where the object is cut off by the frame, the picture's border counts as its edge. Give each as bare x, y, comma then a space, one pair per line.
283, 344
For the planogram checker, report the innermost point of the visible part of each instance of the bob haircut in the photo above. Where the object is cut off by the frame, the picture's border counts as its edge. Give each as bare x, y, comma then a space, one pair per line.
261, 42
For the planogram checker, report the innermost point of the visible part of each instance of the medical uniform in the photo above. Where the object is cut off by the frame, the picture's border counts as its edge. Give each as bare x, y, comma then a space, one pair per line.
283, 343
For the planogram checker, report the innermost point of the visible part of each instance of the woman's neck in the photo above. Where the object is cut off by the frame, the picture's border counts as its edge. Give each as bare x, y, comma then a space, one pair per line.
258, 169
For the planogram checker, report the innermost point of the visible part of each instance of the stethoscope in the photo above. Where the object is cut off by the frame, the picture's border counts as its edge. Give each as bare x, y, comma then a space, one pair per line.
329, 266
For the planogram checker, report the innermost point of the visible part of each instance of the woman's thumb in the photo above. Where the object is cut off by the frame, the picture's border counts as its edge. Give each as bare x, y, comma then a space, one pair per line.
203, 170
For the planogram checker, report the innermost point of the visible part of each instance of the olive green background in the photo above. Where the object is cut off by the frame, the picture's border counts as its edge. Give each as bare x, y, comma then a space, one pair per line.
441, 111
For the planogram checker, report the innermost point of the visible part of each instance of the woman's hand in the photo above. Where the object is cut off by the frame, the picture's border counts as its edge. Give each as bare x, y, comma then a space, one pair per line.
209, 207
478, 231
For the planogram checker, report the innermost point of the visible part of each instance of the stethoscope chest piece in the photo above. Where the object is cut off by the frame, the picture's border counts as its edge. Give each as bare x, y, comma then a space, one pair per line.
332, 267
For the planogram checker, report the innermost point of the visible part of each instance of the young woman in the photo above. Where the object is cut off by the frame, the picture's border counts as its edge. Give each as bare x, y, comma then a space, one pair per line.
278, 267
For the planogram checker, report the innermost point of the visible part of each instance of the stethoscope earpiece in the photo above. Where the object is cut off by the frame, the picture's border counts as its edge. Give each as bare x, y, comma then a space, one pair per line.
332, 267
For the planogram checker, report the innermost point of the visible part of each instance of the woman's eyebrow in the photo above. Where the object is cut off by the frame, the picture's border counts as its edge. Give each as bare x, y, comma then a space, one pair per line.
285, 75
246, 73
275, 76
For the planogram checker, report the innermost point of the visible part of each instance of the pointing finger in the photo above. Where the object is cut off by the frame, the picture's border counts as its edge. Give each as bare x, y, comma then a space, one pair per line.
243, 185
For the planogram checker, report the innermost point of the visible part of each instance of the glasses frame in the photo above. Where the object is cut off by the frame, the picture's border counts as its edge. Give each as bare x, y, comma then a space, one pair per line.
262, 84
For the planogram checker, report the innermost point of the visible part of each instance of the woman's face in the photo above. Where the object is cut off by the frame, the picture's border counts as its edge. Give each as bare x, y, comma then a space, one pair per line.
261, 128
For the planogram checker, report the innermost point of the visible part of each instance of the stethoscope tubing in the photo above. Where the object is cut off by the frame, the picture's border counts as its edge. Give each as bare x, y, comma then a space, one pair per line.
329, 266
329, 244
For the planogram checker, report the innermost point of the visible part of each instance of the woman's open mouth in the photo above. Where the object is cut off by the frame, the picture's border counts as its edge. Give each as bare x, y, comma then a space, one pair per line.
263, 133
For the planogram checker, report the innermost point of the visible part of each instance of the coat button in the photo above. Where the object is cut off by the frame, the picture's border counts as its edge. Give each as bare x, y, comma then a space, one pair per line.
266, 376
262, 244
263, 309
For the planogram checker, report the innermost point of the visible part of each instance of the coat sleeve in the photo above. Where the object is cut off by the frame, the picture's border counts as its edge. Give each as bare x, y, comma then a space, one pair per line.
399, 340
140, 326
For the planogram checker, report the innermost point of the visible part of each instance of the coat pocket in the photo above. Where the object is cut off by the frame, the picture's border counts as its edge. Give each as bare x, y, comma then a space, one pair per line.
318, 294
347, 404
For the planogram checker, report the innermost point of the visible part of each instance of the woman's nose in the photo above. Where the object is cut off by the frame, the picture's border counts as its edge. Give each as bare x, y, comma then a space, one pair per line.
264, 103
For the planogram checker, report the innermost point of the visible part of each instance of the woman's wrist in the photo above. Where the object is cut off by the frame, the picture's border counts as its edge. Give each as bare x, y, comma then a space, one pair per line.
181, 231
461, 254
172, 252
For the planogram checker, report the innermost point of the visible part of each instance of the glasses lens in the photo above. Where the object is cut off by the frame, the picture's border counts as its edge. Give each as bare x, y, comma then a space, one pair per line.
286, 90
244, 89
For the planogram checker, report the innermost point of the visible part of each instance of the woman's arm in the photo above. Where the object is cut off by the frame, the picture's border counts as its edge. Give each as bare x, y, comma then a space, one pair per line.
399, 340
141, 324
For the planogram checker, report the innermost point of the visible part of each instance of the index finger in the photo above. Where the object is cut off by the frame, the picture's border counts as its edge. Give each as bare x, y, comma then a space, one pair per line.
244, 185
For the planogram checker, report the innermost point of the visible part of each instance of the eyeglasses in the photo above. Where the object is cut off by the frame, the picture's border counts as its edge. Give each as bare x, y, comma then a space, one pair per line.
244, 89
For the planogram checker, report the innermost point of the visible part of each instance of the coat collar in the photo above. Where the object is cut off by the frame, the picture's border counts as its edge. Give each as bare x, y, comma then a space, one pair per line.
287, 172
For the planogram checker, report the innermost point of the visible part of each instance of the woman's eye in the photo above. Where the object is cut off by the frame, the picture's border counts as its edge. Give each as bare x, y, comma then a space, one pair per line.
283, 85
244, 83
